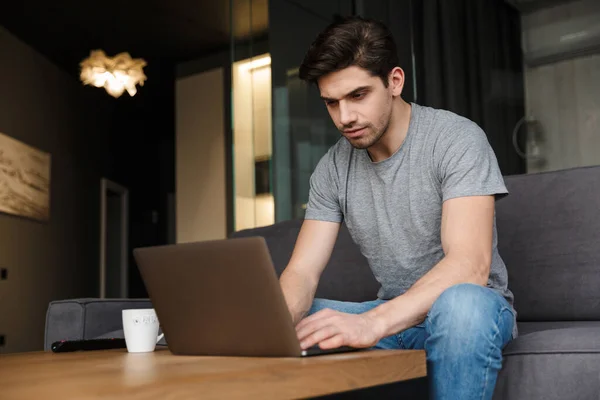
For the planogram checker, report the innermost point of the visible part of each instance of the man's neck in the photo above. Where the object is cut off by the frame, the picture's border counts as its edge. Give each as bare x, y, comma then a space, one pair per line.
395, 134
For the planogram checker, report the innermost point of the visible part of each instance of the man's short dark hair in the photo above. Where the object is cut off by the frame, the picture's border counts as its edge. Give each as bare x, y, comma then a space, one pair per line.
352, 41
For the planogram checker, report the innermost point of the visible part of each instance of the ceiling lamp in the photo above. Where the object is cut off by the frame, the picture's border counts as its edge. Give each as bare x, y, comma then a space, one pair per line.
115, 74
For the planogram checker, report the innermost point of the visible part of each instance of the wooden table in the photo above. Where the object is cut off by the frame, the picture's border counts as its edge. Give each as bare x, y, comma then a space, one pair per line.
116, 374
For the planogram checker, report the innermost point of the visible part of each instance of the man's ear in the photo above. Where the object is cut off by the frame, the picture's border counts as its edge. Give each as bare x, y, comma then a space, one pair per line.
396, 81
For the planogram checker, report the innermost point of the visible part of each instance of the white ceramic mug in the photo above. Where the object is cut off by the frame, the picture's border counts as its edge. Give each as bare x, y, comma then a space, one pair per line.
140, 327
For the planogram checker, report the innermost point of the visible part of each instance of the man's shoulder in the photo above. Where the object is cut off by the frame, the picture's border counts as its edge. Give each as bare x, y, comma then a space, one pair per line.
445, 127
442, 118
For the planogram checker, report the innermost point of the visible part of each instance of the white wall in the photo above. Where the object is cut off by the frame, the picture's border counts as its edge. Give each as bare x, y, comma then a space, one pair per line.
200, 158
564, 97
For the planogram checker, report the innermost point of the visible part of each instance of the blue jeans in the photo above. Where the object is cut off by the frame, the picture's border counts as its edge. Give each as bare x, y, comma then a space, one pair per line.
463, 336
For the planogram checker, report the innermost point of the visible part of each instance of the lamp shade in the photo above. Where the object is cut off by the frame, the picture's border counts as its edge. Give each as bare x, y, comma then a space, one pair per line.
115, 74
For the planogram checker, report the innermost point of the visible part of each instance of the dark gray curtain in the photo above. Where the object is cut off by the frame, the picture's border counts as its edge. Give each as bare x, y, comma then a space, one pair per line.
468, 60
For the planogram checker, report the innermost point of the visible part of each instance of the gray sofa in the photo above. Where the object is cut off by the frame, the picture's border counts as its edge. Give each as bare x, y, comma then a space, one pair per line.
549, 237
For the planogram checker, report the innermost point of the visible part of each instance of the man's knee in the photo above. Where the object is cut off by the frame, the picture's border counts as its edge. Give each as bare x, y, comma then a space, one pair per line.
467, 308
467, 328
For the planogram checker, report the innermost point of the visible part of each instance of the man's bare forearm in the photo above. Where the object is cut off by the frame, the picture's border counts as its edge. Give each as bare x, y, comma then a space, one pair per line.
412, 307
299, 292
311, 253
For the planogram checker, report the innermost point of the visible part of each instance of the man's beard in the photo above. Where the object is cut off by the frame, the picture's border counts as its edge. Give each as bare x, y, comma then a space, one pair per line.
370, 137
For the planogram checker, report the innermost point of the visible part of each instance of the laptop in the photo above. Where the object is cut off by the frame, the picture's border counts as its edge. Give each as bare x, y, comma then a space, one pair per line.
220, 298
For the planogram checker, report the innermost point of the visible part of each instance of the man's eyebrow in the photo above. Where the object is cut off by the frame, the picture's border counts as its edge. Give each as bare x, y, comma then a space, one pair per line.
358, 89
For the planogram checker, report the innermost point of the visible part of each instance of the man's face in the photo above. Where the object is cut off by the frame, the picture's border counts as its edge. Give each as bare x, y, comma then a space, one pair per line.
359, 104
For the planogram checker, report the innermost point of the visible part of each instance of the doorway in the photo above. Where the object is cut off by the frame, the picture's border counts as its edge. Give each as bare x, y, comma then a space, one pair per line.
114, 232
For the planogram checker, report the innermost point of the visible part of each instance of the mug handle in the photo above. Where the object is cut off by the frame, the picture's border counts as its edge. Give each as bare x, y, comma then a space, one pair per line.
160, 337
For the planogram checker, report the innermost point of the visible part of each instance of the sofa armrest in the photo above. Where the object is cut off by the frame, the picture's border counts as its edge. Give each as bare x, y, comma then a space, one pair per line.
88, 318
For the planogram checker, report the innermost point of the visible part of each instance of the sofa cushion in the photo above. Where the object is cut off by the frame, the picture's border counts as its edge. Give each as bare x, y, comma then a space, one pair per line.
549, 238
551, 364
553, 341
347, 275
529, 327
86, 318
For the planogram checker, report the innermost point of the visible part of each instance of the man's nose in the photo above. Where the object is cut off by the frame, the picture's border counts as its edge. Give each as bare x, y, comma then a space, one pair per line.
347, 115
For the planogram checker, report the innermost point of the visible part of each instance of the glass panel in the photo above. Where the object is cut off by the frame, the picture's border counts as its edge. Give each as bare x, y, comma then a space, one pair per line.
252, 134
303, 129
251, 117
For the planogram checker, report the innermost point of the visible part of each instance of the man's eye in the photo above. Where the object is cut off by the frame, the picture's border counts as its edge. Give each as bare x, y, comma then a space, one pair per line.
358, 95
331, 102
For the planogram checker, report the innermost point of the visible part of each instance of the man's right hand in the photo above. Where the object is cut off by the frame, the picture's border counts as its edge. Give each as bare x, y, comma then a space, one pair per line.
311, 254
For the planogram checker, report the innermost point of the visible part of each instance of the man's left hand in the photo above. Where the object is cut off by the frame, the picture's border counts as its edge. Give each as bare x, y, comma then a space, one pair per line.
331, 329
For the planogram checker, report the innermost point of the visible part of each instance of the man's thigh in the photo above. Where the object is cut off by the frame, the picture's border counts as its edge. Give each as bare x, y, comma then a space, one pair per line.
390, 342
343, 306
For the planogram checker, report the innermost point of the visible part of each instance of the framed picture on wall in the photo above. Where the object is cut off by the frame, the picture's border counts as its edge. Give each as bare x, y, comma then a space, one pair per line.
24, 180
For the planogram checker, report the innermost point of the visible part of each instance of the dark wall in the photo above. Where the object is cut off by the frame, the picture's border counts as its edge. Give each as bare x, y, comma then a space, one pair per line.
90, 135
47, 109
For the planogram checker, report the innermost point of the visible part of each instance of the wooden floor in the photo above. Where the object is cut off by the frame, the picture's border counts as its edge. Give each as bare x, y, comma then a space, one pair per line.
116, 374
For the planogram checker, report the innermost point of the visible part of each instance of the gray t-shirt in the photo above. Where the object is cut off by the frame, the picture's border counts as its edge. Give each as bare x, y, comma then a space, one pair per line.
393, 208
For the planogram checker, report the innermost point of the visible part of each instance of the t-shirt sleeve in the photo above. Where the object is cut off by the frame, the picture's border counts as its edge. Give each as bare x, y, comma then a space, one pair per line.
323, 200
467, 164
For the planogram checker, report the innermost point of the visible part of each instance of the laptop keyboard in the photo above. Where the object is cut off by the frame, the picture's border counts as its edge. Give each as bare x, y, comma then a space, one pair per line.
317, 351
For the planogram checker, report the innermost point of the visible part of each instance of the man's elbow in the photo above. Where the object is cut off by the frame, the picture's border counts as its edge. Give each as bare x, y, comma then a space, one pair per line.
475, 270
481, 270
